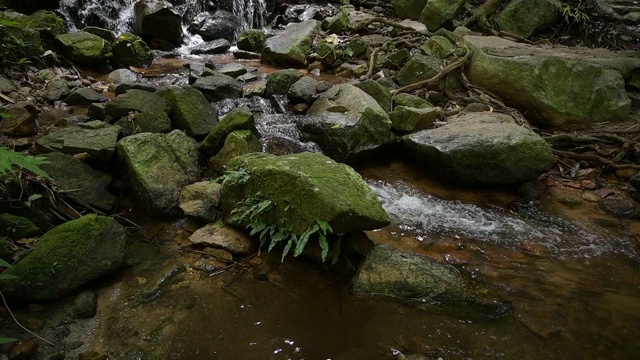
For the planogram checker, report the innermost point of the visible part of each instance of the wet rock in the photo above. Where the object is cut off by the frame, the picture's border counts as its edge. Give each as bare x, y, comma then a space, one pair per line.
409, 276
257, 88
17, 121
201, 200
246, 55
621, 206
301, 189
219, 86
237, 143
101, 32
408, 9
290, 46
135, 100
238, 119
149, 121
252, 40
158, 19
303, 90
346, 123
419, 68
67, 257
157, 167
131, 50
440, 13
79, 180
55, 89
553, 86
17, 227
6, 85
121, 76
96, 138
214, 25
218, 46
84, 97
224, 237
233, 70
190, 111
83, 48
481, 148
85, 305
280, 81
124, 87
409, 119
525, 18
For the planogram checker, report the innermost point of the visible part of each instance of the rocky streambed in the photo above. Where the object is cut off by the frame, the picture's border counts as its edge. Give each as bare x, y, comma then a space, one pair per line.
208, 207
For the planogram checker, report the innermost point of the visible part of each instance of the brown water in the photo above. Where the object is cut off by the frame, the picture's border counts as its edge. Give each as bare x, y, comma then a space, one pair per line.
574, 286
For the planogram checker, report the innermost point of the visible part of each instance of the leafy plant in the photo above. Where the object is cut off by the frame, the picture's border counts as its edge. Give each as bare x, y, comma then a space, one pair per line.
234, 177
9, 159
573, 15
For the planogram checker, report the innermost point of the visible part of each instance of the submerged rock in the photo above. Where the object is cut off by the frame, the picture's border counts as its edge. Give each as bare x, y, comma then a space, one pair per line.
67, 257
290, 46
481, 148
300, 189
96, 138
157, 167
409, 276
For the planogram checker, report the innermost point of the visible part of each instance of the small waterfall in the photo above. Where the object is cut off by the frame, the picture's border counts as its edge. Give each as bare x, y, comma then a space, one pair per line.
250, 13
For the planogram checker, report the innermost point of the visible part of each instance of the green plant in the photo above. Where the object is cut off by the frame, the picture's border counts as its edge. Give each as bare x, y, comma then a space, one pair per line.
9, 159
573, 15
234, 177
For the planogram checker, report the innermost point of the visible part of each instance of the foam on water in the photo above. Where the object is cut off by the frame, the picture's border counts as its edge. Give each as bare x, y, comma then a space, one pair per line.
427, 216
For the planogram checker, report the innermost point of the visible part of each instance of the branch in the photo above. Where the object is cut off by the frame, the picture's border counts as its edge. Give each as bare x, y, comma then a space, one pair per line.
596, 158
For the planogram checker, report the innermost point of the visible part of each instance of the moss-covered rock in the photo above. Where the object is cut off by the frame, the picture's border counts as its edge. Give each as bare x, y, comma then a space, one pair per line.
44, 19
379, 92
84, 97
346, 123
409, 119
84, 49
96, 138
237, 143
481, 148
67, 257
157, 167
440, 13
101, 32
280, 81
525, 18
135, 100
303, 90
290, 46
190, 111
17, 226
408, 9
302, 189
237, 119
339, 23
438, 46
408, 276
19, 44
201, 200
252, 40
131, 50
419, 68
219, 86
404, 99
148, 121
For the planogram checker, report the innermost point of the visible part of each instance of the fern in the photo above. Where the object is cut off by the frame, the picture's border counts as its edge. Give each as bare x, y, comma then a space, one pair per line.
234, 177
31, 163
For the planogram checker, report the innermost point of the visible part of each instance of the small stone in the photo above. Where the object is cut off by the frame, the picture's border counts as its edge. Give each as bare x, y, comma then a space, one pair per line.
590, 196
621, 206
85, 305
626, 173
23, 350
588, 185
224, 237
201, 200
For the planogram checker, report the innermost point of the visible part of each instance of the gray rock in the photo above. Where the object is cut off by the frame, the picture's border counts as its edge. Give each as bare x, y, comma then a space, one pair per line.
219, 86
190, 112
67, 257
121, 76
525, 18
409, 119
79, 180
158, 19
482, 148
408, 276
290, 46
55, 89
440, 13
380, 93
124, 87
280, 81
218, 46
224, 237
233, 70
157, 167
85, 305
621, 206
303, 90
419, 68
135, 101
84, 97
201, 200
6, 85
101, 32
96, 138
214, 25
148, 121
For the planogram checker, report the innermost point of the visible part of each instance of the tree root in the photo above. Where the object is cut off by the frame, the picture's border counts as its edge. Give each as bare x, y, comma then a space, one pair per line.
595, 158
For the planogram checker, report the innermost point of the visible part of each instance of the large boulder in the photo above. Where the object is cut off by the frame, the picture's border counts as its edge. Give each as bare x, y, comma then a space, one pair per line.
44, 19
408, 9
131, 50
346, 122
158, 19
440, 13
419, 68
237, 119
67, 257
215, 25
252, 40
482, 148
135, 100
96, 138
237, 143
553, 85
406, 275
218, 87
190, 111
157, 167
84, 48
281, 80
300, 190
290, 46
525, 17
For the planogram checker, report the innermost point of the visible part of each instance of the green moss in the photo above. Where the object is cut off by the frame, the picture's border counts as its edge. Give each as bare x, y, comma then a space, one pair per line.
17, 227
131, 50
237, 119
252, 40
237, 143
84, 48
48, 20
280, 81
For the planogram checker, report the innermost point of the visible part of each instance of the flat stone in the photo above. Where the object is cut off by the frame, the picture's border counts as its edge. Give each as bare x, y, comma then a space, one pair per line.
96, 138
233, 69
224, 237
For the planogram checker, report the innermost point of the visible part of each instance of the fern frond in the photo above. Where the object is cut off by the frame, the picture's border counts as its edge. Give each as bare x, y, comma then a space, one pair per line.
30, 163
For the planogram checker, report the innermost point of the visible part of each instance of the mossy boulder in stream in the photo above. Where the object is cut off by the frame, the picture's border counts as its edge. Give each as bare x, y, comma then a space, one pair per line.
301, 189
408, 276
346, 122
481, 148
237, 119
219, 86
44, 19
135, 100
67, 257
131, 50
190, 111
252, 40
290, 46
84, 49
157, 167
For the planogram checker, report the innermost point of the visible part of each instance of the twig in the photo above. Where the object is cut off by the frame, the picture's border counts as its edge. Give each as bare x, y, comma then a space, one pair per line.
18, 323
